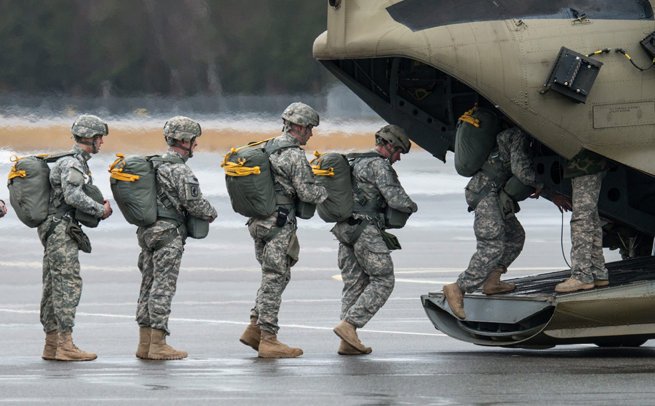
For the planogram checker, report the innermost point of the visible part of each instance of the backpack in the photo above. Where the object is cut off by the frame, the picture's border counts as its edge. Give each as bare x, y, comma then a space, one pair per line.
249, 179
334, 171
29, 187
134, 186
475, 139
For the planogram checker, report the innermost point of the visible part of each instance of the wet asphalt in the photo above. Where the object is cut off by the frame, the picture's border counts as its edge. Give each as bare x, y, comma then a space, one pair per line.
411, 364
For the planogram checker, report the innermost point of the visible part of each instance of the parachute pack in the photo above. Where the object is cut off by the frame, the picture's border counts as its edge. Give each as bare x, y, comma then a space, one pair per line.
29, 190
335, 173
475, 139
249, 179
134, 186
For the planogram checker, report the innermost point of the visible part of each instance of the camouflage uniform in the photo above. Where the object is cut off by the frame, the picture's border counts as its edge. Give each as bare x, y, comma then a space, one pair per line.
62, 284
366, 267
293, 178
587, 260
160, 265
498, 232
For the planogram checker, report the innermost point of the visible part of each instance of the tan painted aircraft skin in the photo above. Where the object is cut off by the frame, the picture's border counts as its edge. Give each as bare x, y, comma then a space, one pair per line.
508, 62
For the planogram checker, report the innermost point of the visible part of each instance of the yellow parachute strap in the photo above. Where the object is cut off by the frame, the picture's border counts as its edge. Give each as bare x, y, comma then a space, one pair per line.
13, 173
317, 168
317, 155
467, 118
237, 169
117, 172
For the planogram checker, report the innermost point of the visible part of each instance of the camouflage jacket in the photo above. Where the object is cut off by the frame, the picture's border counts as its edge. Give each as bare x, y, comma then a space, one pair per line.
586, 163
182, 188
513, 151
374, 180
292, 174
67, 177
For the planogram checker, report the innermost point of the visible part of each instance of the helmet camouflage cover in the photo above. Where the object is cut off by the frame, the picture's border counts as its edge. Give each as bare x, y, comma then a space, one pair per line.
88, 126
182, 129
395, 136
301, 114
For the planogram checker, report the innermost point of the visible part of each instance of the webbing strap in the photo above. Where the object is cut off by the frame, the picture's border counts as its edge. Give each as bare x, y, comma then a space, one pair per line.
162, 243
369, 208
358, 232
283, 199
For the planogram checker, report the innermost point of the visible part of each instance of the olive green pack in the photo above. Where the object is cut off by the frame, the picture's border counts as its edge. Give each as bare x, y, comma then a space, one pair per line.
29, 187
517, 190
134, 187
333, 171
87, 219
474, 140
249, 179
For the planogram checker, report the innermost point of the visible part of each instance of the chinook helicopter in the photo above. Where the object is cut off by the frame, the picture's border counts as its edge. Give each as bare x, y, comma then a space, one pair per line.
574, 74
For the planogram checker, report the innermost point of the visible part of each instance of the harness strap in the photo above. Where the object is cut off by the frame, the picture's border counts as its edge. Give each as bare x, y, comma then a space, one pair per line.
358, 231
161, 244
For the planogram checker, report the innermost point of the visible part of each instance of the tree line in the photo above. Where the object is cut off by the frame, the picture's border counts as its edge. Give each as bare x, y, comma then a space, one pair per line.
165, 47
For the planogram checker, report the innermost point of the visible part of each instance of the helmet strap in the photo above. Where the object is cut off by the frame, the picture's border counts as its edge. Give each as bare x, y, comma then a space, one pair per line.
289, 128
182, 147
391, 153
93, 143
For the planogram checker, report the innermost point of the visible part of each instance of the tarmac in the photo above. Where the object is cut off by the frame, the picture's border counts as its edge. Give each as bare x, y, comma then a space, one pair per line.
412, 363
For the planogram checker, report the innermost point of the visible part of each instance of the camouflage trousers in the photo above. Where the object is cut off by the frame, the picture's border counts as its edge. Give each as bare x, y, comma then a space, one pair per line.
366, 271
62, 284
587, 260
276, 257
159, 272
499, 239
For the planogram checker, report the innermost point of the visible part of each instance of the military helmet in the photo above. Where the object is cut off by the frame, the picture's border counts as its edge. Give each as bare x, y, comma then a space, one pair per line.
182, 129
395, 136
301, 114
88, 126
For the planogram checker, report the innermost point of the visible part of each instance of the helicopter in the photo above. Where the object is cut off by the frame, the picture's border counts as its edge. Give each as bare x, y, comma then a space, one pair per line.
575, 75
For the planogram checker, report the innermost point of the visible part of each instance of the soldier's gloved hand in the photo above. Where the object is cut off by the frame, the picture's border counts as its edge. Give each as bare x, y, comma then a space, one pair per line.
108, 210
562, 202
3, 208
536, 193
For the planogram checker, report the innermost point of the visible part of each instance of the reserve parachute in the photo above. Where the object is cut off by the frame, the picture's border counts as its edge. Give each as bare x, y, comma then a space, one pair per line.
29, 186
249, 179
474, 140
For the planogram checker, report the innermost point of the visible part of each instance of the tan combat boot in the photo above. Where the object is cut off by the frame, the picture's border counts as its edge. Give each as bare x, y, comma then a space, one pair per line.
252, 335
601, 282
67, 351
50, 349
159, 350
347, 349
144, 342
572, 285
493, 285
455, 298
348, 333
270, 347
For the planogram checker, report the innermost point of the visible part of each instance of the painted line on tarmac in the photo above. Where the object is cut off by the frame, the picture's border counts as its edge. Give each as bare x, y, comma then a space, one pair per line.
39, 265
122, 316
212, 303
339, 278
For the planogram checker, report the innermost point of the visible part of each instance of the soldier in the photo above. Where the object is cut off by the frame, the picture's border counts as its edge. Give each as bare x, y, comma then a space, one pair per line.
162, 243
62, 238
364, 260
587, 260
499, 235
276, 244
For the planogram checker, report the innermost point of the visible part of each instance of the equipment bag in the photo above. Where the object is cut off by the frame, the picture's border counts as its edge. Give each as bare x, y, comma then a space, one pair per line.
394, 218
333, 172
29, 187
475, 138
134, 186
249, 179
